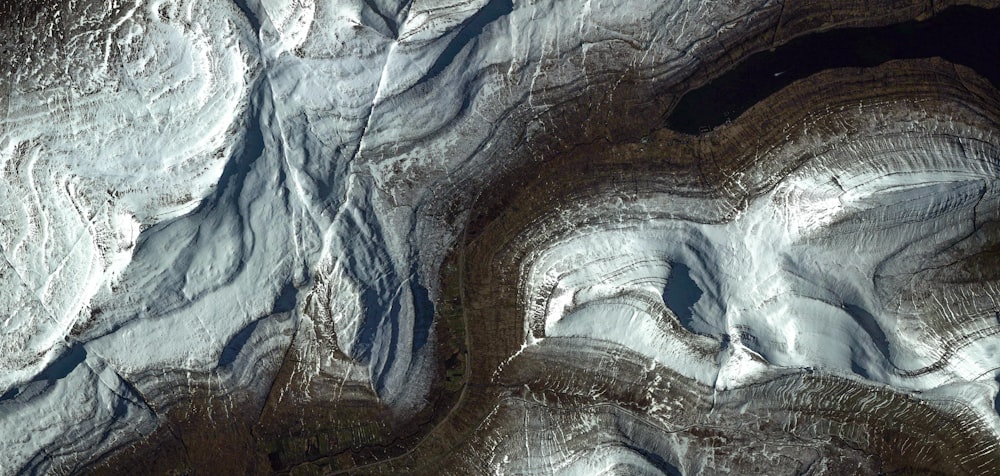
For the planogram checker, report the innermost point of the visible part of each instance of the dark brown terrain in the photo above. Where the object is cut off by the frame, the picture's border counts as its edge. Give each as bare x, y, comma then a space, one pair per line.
605, 145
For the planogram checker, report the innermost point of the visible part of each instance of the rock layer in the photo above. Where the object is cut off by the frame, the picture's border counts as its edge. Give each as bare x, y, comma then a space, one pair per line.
580, 249
427, 237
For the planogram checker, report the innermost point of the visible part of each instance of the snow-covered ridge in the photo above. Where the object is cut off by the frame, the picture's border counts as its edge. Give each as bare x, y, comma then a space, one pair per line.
842, 266
107, 132
192, 191
819, 272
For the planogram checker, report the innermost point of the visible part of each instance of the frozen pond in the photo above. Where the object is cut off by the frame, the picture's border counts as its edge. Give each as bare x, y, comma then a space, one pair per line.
681, 293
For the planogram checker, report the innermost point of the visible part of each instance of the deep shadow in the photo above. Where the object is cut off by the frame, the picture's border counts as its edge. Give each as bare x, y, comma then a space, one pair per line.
996, 399
371, 306
378, 313
867, 322
658, 461
284, 302
236, 344
423, 310
58, 369
219, 210
386, 18
63, 365
964, 35
250, 149
10, 394
471, 28
861, 371
681, 293
251, 16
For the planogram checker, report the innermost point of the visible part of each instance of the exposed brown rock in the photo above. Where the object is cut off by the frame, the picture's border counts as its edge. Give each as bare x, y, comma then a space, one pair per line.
597, 147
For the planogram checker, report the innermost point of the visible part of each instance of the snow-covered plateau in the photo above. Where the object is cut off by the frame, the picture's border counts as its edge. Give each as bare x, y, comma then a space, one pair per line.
440, 236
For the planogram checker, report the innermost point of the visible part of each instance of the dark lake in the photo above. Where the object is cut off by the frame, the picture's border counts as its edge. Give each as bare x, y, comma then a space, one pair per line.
964, 35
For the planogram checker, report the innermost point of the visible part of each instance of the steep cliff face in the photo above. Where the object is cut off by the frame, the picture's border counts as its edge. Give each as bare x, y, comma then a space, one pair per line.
499, 237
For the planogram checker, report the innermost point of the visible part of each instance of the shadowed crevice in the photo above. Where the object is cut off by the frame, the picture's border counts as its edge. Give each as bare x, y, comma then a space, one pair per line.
469, 30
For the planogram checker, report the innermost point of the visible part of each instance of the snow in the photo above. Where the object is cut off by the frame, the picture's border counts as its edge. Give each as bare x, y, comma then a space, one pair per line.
175, 172
797, 277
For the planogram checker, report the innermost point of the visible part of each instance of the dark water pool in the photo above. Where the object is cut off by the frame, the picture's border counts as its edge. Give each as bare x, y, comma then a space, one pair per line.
964, 35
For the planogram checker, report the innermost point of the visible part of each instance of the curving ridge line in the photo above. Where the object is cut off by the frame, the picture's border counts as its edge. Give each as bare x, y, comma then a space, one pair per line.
503, 232
704, 165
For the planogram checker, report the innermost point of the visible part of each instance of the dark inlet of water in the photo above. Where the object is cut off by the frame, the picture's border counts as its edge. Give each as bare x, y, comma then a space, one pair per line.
964, 35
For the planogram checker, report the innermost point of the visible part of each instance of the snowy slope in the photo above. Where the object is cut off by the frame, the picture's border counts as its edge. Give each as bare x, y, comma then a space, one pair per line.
177, 177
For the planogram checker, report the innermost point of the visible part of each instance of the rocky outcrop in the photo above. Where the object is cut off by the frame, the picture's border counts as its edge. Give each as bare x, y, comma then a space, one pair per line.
440, 237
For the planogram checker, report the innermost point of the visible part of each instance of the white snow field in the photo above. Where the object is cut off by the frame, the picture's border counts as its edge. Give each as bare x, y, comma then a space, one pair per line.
178, 176
825, 270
